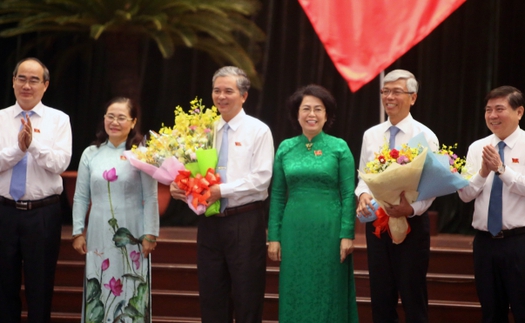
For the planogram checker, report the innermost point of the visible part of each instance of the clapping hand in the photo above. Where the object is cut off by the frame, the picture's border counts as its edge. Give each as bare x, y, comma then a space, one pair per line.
25, 136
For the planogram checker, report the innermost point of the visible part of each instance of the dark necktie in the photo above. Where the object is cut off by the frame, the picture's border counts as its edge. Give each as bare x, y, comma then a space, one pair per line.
223, 162
494, 223
17, 188
393, 132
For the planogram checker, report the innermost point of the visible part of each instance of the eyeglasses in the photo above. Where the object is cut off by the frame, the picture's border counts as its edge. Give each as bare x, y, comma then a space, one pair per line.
397, 92
22, 80
119, 119
308, 110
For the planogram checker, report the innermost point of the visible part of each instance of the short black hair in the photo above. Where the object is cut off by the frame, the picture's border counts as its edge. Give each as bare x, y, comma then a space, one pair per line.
512, 94
134, 136
294, 102
46, 71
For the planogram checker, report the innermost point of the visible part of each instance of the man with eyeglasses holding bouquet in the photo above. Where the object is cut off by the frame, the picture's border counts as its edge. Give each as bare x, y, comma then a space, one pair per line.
397, 270
35, 148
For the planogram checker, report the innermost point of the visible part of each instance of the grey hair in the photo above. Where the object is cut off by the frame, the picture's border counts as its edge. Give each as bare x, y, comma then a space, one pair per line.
243, 83
46, 71
395, 75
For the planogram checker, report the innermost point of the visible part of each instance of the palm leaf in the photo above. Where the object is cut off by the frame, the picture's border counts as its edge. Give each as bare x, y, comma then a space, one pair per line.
164, 43
231, 53
96, 31
221, 28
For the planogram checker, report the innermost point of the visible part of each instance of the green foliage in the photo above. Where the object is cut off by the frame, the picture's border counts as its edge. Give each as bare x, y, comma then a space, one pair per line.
140, 301
94, 306
124, 237
138, 306
218, 27
93, 289
113, 223
95, 311
136, 278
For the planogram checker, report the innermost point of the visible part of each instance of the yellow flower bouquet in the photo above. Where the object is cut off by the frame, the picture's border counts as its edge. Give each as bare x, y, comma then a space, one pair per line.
393, 171
415, 171
390, 173
187, 146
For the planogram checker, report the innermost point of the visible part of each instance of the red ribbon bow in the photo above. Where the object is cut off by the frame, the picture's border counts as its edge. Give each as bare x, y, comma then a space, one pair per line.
198, 186
381, 224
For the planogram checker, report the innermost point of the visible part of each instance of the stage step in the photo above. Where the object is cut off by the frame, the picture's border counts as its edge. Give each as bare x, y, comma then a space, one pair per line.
450, 254
75, 318
184, 277
452, 293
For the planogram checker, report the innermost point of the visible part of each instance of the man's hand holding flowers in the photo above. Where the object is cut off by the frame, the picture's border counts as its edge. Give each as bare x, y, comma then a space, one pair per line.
215, 194
365, 206
178, 193
402, 209
188, 145
396, 183
196, 189
391, 217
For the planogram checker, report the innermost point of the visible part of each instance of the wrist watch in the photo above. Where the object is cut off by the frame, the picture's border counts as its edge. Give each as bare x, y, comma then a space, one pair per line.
501, 169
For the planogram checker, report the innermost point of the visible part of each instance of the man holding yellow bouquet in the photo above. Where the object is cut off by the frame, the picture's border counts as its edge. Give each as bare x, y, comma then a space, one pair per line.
397, 270
231, 255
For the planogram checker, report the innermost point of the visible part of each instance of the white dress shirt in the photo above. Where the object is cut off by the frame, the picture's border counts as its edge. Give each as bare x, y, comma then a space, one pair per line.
48, 155
513, 196
375, 137
250, 159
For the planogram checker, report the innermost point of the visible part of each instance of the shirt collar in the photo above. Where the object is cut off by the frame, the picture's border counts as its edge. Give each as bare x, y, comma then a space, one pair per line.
38, 109
319, 137
111, 145
234, 123
403, 125
510, 141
